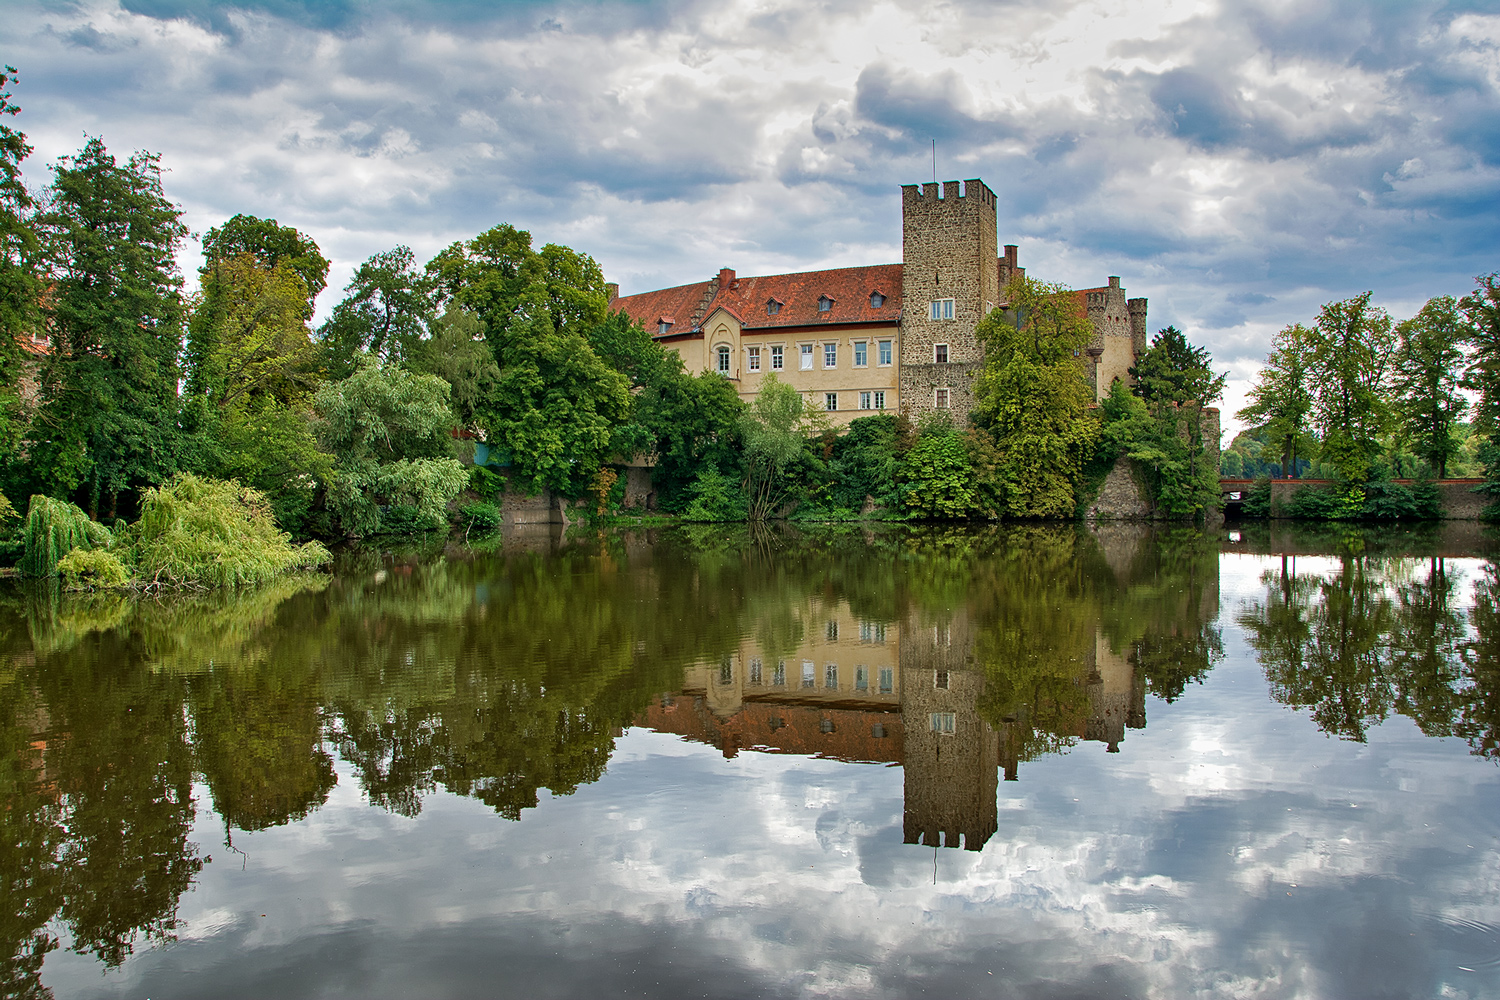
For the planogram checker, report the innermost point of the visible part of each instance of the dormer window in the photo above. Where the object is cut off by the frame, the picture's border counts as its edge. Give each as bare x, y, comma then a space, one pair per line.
824, 303
773, 306
876, 300
663, 325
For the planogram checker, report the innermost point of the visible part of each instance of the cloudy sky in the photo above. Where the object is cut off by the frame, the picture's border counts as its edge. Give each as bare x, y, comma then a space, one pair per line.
1239, 163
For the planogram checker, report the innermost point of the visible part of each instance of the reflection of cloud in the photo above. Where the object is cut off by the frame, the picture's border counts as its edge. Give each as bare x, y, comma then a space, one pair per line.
1265, 156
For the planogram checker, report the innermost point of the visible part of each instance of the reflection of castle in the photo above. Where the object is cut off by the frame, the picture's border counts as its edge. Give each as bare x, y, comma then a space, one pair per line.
909, 694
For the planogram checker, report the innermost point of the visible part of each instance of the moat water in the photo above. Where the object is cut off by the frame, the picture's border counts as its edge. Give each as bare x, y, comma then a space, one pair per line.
999, 762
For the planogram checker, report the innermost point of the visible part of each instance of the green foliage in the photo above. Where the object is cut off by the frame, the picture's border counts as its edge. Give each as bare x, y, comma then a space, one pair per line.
93, 569
456, 352
387, 309
716, 497
1281, 401
270, 245
54, 528
692, 422
1425, 380
1352, 347
207, 533
773, 430
1257, 502
487, 484
1181, 479
1373, 501
1173, 371
1032, 396
1481, 310
274, 449
108, 417
484, 516
20, 266
937, 467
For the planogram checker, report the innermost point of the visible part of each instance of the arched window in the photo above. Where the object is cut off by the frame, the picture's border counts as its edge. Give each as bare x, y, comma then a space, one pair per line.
723, 360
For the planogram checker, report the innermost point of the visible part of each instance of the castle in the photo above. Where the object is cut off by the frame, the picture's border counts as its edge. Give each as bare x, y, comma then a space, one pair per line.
884, 337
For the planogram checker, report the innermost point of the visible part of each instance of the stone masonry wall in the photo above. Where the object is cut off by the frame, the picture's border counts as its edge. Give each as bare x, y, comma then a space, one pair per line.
949, 250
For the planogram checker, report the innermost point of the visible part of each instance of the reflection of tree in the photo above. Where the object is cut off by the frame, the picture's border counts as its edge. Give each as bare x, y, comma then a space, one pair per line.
1373, 638
30, 833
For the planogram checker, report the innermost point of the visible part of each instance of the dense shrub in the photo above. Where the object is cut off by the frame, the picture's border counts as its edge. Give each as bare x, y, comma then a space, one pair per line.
716, 497
484, 516
93, 569
209, 533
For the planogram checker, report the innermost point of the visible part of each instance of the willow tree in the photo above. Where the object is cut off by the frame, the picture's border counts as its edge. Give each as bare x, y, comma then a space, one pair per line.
1032, 397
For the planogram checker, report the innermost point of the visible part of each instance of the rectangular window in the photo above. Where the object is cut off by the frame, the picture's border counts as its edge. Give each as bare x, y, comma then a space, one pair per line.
861, 678
941, 309
942, 722
778, 674
726, 671
808, 680
878, 731
723, 353
940, 399
884, 352
940, 354
832, 631
754, 359
864, 401
830, 401
861, 354
831, 676
807, 357
830, 355
755, 671
940, 680
879, 399
887, 680
778, 358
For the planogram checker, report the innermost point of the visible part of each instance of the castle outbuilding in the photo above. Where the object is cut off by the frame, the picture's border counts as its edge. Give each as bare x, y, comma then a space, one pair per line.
884, 337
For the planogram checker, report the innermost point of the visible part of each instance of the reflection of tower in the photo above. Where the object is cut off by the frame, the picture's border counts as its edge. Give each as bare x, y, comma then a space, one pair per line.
952, 754
1117, 697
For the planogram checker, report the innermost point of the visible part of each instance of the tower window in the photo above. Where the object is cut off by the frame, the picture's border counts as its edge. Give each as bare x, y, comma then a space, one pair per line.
940, 354
940, 399
941, 308
723, 360
824, 303
772, 307
942, 722
876, 300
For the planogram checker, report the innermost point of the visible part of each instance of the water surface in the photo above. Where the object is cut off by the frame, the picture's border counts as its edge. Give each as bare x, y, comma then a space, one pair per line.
1001, 762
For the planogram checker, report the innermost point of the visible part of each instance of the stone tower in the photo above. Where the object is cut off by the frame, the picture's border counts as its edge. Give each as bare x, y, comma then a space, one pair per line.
950, 279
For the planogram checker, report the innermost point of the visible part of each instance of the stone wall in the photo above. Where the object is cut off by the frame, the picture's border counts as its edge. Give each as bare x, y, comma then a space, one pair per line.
949, 246
640, 494
1123, 497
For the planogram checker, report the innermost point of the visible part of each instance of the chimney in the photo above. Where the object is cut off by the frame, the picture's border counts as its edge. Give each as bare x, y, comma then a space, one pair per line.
726, 278
1114, 281
1011, 255
612, 289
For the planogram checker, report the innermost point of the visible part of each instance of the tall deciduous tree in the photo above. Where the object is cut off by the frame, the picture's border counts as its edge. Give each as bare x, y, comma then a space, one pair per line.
1032, 397
108, 420
1353, 344
556, 403
1425, 380
774, 430
1281, 401
19, 264
387, 309
1481, 308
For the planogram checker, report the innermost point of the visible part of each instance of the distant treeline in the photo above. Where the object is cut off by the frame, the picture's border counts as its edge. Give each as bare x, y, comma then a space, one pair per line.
1360, 399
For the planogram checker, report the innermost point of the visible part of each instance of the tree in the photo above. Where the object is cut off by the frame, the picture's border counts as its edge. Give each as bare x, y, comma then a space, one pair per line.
1425, 380
1281, 400
388, 430
1481, 308
20, 285
773, 431
938, 468
1352, 348
455, 351
556, 403
270, 244
1173, 371
1032, 396
387, 309
108, 419
249, 335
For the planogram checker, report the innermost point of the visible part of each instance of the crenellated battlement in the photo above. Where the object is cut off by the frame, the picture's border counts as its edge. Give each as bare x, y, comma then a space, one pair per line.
973, 192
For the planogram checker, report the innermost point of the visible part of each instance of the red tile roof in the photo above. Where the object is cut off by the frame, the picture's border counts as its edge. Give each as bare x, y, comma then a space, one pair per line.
781, 727
849, 288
